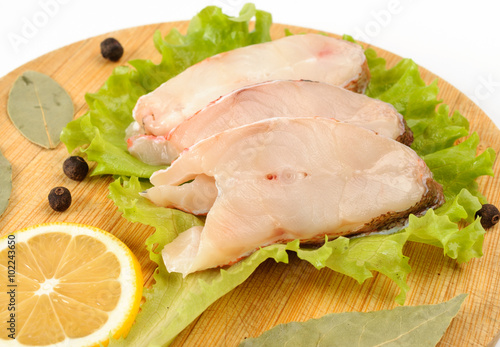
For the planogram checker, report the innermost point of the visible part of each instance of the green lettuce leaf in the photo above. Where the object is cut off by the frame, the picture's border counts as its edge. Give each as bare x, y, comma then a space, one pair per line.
100, 133
173, 302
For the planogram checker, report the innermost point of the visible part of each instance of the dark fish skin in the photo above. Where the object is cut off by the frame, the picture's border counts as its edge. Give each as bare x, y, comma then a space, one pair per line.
407, 137
434, 198
359, 85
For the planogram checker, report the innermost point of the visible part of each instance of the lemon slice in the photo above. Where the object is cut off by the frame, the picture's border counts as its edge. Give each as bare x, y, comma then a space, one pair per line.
66, 285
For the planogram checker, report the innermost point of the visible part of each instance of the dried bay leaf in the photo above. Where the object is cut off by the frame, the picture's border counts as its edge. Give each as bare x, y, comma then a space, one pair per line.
403, 326
39, 108
5, 182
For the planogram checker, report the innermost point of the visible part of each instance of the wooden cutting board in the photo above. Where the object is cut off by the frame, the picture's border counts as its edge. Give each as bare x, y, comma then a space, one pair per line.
275, 293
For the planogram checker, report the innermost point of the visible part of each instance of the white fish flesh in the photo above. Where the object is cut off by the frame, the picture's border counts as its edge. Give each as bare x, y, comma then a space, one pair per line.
279, 98
311, 56
282, 179
290, 99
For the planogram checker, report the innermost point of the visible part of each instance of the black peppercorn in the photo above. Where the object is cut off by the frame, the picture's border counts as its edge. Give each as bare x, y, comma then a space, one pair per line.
111, 49
59, 199
76, 168
489, 215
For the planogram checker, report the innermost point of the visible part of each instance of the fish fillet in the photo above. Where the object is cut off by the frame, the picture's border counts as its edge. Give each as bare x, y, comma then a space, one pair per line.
279, 98
311, 56
282, 179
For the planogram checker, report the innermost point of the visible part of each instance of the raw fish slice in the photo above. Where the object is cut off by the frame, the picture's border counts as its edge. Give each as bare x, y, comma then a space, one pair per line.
291, 99
312, 56
281, 98
294, 178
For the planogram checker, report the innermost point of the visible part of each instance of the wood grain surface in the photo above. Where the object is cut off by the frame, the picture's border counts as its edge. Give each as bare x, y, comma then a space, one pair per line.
275, 293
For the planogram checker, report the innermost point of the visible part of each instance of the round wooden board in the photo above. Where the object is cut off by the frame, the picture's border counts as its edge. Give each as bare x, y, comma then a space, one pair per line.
275, 293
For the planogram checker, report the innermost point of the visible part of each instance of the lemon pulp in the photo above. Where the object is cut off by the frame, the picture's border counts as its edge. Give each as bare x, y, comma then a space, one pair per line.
71, 282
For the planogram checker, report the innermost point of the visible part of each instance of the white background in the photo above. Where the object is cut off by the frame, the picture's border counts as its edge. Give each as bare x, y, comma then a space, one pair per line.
457, 40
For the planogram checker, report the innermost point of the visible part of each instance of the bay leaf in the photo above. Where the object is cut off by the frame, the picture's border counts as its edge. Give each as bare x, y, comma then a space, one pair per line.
39, 108
402, 326
5, 182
